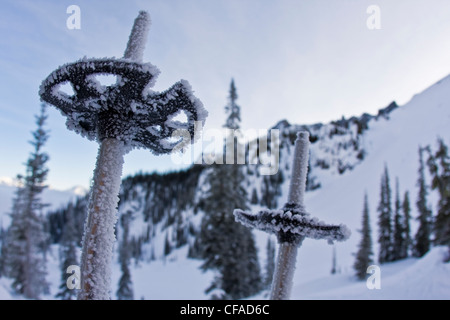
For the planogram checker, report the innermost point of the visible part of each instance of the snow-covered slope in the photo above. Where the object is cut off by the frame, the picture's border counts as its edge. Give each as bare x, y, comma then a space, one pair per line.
393, 142
416, 279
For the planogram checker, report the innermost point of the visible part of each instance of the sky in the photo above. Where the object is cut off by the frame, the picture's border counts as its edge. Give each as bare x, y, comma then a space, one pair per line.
304, 61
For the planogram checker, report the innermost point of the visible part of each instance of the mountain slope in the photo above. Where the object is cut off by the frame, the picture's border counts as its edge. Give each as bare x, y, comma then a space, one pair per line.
55, 198
417, 279
393, 142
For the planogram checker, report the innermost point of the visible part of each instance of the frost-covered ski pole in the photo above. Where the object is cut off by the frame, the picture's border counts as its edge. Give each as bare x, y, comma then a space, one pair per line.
292, 224
120, 117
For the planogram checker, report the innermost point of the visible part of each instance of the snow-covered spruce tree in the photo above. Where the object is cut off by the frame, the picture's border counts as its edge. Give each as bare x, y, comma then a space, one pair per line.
439, 166
25, 261
422, 240
384, 220
270, 263
14, 232
225, 246
364, 254
399, 238
125, 288
407, 244
69, 253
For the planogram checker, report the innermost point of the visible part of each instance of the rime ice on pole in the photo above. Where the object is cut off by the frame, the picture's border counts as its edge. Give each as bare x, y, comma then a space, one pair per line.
292, 224
119, 117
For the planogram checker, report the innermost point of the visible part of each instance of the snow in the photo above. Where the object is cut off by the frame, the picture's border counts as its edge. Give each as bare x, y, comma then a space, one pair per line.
179, 278
175, 278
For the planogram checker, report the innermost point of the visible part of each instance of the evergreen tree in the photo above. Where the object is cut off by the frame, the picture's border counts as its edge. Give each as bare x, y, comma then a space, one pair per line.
423, 236
69, 251
407, 227
226, 246
232, 110
125, 289
439, 166
399, 244
364, 254
384, 220
26, 239
270, 262
167, 245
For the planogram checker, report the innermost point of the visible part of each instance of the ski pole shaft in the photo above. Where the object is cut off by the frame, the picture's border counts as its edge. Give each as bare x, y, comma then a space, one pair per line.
287, 254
